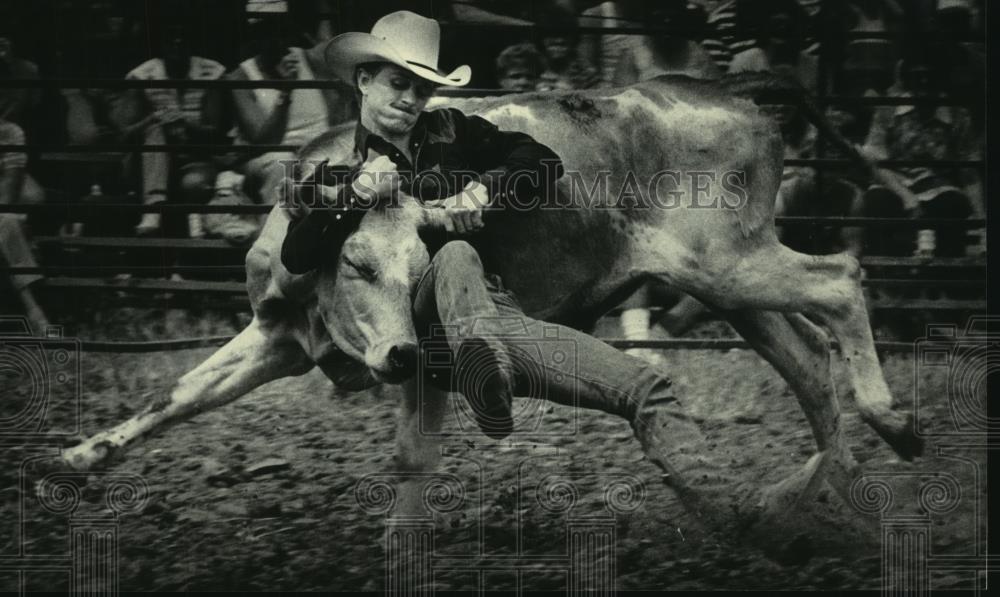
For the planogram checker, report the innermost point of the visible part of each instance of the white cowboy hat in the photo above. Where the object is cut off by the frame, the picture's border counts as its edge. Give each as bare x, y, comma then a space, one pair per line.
403, 38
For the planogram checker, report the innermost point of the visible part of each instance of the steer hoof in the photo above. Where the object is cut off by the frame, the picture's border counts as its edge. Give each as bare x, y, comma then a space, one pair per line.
900, 432
786, 498
88, 456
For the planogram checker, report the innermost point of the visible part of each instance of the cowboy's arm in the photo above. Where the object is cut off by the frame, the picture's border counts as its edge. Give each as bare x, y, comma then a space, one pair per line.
511, 164
303, 248
301, 251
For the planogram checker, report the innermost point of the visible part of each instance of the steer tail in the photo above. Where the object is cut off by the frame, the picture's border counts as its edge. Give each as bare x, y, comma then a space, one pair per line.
767, 87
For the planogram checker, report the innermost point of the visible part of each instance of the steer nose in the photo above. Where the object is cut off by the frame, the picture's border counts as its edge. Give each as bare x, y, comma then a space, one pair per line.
403, 359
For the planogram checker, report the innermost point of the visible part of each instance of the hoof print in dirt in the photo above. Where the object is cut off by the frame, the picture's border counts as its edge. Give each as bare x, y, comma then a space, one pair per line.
268, 466
217, 474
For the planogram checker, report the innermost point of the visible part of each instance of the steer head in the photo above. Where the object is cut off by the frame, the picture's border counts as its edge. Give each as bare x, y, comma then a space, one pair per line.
365, 296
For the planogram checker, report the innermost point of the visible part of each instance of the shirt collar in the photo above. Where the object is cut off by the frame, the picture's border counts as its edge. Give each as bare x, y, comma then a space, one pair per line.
363, 138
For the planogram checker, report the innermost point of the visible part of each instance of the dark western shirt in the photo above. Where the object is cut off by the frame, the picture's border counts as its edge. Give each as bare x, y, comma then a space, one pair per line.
449, 150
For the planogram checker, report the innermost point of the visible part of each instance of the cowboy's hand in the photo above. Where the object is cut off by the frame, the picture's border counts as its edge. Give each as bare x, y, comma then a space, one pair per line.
377, 179
464, 210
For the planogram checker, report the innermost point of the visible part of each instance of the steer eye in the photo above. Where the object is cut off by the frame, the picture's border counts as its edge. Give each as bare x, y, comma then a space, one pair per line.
362, 270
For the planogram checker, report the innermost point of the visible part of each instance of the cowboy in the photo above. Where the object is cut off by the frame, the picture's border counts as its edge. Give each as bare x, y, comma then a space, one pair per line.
395, 72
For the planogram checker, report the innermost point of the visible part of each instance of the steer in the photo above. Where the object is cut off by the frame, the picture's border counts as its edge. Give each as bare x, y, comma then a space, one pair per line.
573, 262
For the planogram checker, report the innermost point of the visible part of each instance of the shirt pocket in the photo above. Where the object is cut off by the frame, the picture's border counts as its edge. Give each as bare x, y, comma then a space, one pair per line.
444, 174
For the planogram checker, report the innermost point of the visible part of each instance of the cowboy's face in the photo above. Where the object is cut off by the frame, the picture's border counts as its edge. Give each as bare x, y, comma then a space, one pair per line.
393, 98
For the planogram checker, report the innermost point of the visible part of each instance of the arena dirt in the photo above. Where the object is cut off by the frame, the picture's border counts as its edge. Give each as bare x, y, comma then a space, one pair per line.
260, 495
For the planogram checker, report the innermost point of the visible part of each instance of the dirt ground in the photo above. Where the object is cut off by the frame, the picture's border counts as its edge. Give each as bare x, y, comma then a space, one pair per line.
260, 495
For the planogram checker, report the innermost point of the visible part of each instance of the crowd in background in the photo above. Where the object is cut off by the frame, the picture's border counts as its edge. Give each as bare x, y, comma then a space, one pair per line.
933, 48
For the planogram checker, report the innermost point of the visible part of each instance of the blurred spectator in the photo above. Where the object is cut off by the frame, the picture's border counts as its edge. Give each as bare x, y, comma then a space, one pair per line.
99, 38
808, 193
519, 67
16, 103
780, 37
679, 53
96, 117
720, 40
564, 67
175, 117
605, 50
283, 117
473, 42
870, 60
927, 132
624, 59
16, 186
237, 229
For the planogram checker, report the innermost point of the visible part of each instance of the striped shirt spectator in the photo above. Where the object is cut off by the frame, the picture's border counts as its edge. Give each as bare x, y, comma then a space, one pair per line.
729, 21
928, 133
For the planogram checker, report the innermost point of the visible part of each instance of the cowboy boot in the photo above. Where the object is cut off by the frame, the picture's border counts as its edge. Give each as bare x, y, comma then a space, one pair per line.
484, 375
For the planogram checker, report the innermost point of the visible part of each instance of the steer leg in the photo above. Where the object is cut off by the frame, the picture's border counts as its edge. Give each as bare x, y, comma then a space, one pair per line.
254, 357
827, 288
800, 352
418, 445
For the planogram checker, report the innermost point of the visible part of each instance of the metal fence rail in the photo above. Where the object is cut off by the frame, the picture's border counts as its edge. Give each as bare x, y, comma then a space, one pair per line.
672, 344
99, 278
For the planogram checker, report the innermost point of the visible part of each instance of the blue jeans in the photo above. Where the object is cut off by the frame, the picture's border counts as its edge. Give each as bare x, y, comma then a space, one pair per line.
566, 366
